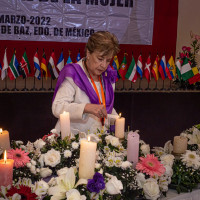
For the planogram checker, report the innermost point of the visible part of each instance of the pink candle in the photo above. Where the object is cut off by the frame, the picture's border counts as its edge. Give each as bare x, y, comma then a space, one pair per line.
133, 147
6, 171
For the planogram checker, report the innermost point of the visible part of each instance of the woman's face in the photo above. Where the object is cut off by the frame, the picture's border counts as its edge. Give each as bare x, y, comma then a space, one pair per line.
97, 63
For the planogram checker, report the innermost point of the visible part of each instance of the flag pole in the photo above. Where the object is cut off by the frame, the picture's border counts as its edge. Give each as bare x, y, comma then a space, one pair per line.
25, 89
131, 89
42, 82
155, 87
140, 84
15, 88
163, 87
148, 87
6, 88
51, 88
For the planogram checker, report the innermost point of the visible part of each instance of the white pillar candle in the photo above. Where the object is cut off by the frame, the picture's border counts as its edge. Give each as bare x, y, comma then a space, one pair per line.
4, 140
179, 144
65, 124
119, 127
87, 159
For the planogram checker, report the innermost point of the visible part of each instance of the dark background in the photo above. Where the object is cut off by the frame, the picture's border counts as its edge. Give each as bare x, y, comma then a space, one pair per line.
158, 115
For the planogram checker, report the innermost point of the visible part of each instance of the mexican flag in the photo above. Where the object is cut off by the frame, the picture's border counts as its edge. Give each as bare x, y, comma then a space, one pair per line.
186, 71
13, 68
131, 74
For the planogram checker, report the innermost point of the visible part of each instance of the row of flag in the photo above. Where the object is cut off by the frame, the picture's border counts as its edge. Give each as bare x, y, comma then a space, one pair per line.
160, 68
15, 69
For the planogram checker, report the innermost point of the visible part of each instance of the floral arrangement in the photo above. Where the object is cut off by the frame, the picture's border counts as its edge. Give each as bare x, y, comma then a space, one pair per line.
48, 169
190, 53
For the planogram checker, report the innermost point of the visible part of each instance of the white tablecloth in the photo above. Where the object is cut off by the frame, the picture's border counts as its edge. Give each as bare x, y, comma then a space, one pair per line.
173, 195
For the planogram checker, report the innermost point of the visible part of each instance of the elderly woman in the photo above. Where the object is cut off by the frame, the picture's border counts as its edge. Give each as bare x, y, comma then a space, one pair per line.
86, 89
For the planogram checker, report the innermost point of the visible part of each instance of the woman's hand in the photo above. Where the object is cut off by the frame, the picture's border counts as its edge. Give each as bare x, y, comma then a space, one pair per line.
96, 109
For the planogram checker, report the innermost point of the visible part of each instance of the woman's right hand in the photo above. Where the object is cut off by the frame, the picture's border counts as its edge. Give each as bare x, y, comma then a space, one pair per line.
96, 109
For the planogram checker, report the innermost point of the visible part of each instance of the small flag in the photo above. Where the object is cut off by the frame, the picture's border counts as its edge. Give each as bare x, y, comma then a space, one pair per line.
131, 74
115, 66
186, 70
5, 66
162, 67
37, 66
44, 65
51, 66
147, 70
13, 69
178, 69
78, 57
24, 66
171, 68
69, 60
154, 70
123, 67
139, 66
60, 63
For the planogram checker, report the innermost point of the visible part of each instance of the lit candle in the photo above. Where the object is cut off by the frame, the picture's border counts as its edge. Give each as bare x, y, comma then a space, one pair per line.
6, 171
133, 147
4, 140
65, 125
87, 159
119, 127
179, 144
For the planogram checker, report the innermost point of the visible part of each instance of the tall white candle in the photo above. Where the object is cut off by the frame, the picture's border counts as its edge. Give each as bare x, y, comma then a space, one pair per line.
4, 140
179, 144
65, 124
87, 159
119, 127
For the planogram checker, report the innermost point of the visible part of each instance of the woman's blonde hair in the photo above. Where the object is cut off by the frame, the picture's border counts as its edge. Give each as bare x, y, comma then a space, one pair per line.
103, 41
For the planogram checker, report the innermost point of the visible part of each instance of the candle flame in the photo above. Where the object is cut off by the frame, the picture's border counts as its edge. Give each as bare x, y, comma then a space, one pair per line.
1, 130
5, 157
88, 138
120, 114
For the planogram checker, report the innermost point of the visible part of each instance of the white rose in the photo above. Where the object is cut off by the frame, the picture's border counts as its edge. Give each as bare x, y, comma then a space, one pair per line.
108, 139
151, 189
167, 159
39, 143
168, 170
75, 145
62, 171
115, 141
52, 158
33, 162
145, 148
140, 177
41, 160
41, 188
53, 131
97, 165
74, 194
28, 165
32, 169
45, 172
113, 186
126, 165
67, 153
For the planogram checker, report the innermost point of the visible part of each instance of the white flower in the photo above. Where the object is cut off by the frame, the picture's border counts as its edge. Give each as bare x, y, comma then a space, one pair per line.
23, 147
163, 183
33, 162
45, 172
159, 151
19, 142
115, 141
74, 194
28, 165
65, 183
62, 171
54, 131
168, 170
52, 158
97, 165
140, 177
151, 189
16, 196
167, 159
75, 145
41, 188
32, 169
194, 138
41, 160
145, 148
52, 182
126, 165
114, 186
118, 161
67, 153
168, 147
39, 143
191, 159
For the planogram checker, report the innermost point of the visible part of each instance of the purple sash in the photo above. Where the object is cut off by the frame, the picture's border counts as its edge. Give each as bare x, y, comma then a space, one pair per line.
80, 79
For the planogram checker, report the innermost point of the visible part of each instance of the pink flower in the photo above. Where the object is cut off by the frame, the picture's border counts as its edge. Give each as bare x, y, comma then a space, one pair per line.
150, 165
19, 156
182, 55
184, 48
